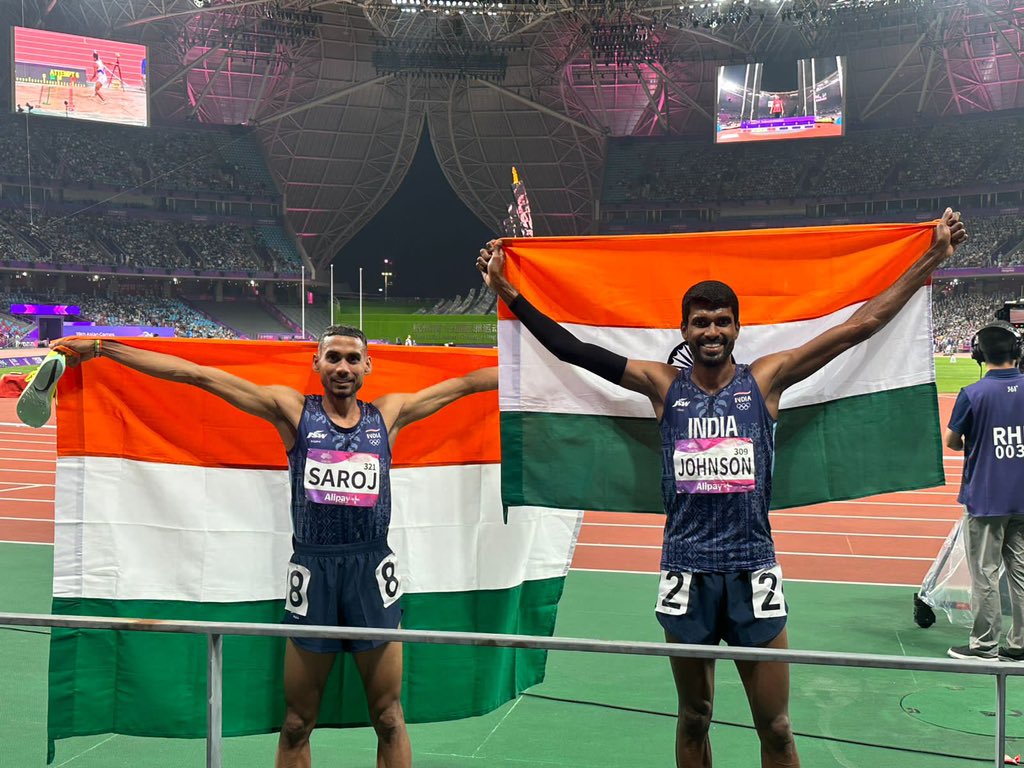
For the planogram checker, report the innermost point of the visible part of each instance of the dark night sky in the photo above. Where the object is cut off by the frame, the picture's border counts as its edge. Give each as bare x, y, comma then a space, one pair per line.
425, 230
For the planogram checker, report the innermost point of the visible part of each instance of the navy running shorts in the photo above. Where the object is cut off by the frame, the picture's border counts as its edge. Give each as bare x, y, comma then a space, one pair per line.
354, 585
746, 608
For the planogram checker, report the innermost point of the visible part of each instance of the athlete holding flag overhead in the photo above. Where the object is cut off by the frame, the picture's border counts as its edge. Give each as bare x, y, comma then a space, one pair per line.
719, 576
342, 573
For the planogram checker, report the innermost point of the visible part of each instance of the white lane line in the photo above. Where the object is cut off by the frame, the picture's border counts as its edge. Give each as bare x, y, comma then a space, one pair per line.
22, 487
27, 501
777, 552
861, 503
29, 471
782, 513
29, 519
33, 543
778, 531
51, 451
864, 517
5, 459
19, 425
950, 492
868, 557
788, 579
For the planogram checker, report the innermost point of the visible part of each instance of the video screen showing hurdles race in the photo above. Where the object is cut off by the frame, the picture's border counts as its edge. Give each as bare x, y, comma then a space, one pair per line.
85, 78
795, 100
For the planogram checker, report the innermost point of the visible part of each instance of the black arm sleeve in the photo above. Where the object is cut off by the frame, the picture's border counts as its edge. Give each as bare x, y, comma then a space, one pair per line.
567, 347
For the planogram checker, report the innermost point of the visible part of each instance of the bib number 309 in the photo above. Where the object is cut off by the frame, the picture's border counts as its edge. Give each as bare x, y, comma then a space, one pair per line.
387, 580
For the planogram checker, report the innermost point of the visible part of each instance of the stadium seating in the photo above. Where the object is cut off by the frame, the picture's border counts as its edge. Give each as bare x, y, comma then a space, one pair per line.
129, 310
879, 162
959, 309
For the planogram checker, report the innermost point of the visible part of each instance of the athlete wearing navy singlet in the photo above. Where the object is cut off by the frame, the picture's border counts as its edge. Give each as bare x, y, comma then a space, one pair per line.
728, 529
719, 579
342, 572
320, 518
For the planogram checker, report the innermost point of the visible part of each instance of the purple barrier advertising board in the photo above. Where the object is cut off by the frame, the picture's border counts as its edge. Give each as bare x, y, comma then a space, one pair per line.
74, 329
21, 362
87, 329
1017, 269
45, 309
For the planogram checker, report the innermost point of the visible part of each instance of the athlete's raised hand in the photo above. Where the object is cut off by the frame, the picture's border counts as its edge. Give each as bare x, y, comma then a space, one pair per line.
949, 233
491, 263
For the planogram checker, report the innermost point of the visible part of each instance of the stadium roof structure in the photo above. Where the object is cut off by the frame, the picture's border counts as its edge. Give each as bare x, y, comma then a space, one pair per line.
339, 92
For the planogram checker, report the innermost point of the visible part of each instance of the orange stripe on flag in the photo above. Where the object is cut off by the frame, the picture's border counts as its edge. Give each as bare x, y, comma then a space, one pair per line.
105, 409
780, 275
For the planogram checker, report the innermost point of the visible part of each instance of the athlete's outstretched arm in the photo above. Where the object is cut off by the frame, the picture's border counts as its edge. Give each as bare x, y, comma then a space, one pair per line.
401, 409
647, 377
279, 405
776, 372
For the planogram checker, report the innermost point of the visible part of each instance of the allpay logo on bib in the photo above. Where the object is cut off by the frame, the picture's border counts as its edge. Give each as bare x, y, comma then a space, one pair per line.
714, 465
343, 478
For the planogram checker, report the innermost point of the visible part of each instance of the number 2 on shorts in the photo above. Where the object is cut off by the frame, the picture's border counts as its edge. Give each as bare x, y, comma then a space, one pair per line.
387, 580
766, 593
673, 593
298, 582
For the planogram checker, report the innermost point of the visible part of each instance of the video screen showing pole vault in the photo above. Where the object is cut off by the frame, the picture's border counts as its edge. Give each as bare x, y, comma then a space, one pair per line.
804, 99
83, 78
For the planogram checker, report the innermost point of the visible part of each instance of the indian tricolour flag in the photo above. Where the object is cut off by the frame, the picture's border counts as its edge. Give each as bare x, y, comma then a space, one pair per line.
866, 423
172, 505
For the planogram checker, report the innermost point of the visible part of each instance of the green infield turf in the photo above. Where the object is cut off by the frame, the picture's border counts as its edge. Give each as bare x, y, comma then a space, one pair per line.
950, 378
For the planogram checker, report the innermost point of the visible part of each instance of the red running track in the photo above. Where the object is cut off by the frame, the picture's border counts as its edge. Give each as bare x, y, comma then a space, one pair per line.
888, 539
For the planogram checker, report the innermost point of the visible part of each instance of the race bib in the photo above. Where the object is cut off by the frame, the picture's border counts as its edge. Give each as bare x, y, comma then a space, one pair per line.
298, 584
674, 593
714, 465
387, 580
343, 478
766, 595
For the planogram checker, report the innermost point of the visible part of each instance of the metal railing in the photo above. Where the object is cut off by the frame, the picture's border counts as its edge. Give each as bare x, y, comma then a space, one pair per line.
215, 632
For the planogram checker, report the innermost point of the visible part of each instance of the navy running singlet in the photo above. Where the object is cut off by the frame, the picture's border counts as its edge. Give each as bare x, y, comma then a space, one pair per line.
717, 453
341, 488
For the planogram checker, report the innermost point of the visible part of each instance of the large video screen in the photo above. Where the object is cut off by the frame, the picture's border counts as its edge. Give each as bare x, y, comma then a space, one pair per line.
804, 99
84, 78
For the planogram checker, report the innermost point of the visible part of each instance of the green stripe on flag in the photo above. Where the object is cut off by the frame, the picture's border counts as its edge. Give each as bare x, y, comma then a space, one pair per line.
154, 684
608, 463
843, 449
858, 446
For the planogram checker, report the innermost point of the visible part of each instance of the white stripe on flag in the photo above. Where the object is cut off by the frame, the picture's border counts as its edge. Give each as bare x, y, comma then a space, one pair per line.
900, 355
132, 530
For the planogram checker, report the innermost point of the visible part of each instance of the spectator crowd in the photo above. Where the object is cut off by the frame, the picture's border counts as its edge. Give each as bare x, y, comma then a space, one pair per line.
124, 309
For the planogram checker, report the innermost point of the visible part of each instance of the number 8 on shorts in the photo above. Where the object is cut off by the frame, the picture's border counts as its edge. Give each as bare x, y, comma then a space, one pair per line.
298, 582
387, 580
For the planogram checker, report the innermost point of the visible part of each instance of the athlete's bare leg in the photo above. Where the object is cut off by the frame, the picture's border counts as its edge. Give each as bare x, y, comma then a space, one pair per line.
695, 688
767, 686
305, 674
381, 670
99, 87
